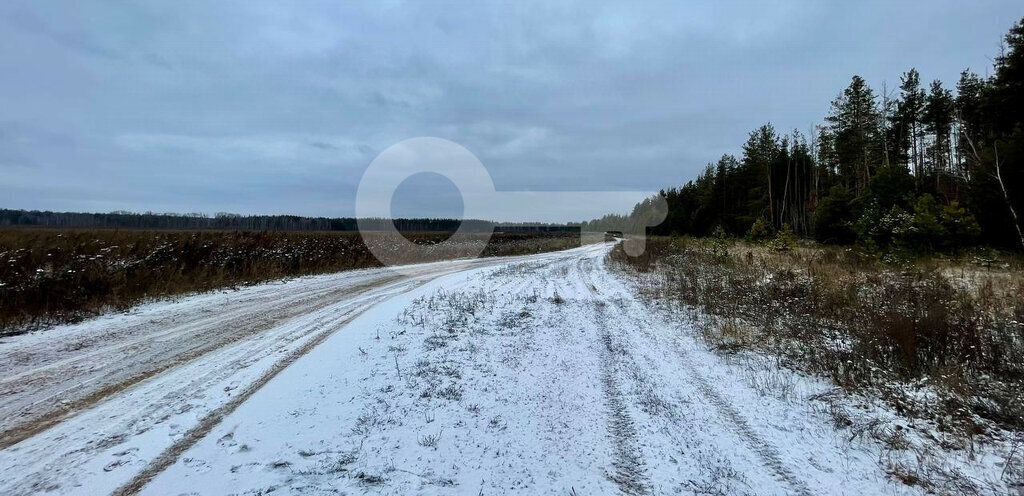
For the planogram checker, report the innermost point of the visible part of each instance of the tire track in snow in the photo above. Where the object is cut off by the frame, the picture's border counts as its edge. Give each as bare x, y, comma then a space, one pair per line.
629, 471
298, 310
764, 450
171, 454
40, 414
767, 453
211, 419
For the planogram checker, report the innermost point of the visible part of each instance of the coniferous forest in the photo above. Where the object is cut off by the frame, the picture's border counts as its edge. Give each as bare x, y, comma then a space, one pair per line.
926, 166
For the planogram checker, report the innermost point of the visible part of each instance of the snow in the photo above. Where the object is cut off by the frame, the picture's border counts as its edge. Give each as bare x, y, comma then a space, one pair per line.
87, 406
593, 395
536, 375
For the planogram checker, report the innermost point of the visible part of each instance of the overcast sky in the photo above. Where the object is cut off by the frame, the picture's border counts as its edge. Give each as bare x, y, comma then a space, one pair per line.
278, 107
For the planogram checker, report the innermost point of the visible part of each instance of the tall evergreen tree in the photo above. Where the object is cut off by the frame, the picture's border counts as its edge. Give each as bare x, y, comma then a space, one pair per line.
938, 123
759, 155
1006, 98
969, 90
1001, 156
797, 184
908, 118
854, 121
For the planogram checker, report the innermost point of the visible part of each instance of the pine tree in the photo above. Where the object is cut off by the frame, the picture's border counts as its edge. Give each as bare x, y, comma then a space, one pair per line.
854, 121
938, 122
1006, 99
908, 118
968, 103
872, 161
1000, 156
760, 153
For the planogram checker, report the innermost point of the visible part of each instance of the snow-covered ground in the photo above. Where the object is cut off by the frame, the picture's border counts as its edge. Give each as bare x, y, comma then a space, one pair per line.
85, 407
533, 375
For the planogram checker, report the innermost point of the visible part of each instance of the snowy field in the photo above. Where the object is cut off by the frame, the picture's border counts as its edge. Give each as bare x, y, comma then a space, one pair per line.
531, 375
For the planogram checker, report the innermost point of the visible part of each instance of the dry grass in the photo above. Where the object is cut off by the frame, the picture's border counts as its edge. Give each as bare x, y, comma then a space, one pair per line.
939, 338
50, 276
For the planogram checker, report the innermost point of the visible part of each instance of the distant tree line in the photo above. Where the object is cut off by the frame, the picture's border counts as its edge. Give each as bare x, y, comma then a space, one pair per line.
918, 166
228, 221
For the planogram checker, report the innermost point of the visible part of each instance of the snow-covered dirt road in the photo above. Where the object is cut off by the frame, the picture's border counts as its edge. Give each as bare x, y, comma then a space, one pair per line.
74, 397
536, 375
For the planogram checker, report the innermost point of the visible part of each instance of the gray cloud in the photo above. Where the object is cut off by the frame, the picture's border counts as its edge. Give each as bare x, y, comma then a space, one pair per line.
269, 107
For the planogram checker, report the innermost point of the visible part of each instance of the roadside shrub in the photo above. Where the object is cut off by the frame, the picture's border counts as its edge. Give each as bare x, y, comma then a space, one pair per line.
762, 230
892, 186
878, 228
923, 230
785, 240
961, 226
720, 245
833, 219
927, 228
